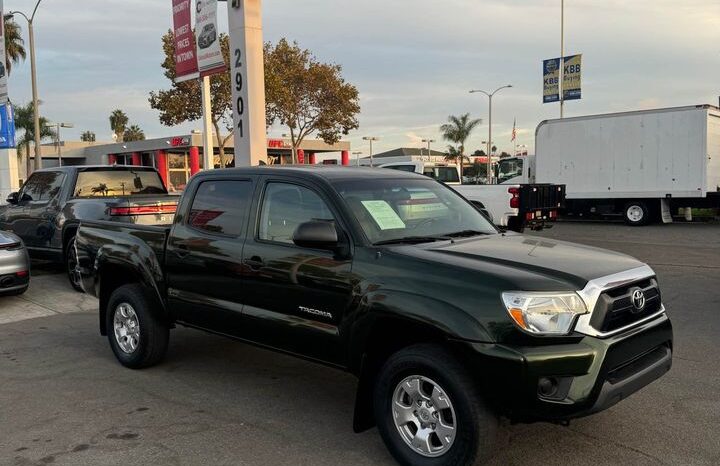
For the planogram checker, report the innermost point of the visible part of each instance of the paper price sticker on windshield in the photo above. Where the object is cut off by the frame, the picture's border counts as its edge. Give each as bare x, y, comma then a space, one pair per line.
384, 215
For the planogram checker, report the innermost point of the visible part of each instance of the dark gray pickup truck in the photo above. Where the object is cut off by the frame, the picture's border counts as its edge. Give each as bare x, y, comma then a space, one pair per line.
397, 279
46, 212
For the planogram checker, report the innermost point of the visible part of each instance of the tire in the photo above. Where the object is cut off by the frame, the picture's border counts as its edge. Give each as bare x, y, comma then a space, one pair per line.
142, 339
473, 426
70, 262
636, 213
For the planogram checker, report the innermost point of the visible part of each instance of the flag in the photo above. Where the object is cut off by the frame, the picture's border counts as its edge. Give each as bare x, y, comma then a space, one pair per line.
514, 131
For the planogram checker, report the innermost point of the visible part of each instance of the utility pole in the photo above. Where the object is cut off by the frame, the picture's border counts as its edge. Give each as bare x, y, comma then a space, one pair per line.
33, 73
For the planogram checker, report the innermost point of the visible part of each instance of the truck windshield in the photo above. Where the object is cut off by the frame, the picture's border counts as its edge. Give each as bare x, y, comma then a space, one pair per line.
396, 209
118, 182
509, 168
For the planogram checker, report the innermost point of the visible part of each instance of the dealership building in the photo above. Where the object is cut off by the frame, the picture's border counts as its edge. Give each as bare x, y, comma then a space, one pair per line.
178, 158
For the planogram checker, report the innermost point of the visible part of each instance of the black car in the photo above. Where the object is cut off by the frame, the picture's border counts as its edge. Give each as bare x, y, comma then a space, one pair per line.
46, 212
394, 277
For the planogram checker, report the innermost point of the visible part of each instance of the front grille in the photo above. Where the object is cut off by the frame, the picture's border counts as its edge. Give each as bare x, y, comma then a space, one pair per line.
615, 307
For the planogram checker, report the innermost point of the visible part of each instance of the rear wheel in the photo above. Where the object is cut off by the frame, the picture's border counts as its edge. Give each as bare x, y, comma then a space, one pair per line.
71, 261
429, 410
137, 337
636, 213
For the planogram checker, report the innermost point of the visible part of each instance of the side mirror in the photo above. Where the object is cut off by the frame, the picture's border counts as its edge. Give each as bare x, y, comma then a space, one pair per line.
13, 198
316, 235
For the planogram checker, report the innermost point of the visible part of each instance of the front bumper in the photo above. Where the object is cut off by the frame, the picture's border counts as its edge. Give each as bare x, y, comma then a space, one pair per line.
590, 374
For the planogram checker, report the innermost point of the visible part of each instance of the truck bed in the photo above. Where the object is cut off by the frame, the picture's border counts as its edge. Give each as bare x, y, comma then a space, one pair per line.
99, 241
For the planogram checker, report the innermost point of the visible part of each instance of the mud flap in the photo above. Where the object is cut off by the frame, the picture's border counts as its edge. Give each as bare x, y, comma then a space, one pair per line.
665, 213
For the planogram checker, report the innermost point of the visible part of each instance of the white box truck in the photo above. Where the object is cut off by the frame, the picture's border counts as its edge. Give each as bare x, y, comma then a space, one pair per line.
641, 165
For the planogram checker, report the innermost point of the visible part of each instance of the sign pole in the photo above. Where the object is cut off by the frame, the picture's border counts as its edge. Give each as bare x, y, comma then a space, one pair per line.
208, 143
247, 78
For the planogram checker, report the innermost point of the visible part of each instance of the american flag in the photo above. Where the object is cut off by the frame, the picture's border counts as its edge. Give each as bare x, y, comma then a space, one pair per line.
514, 132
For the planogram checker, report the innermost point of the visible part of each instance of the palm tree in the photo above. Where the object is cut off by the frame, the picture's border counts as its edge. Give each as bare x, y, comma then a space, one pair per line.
25, 121
118, 124
14, 44
87, 136
457, 130
134, 133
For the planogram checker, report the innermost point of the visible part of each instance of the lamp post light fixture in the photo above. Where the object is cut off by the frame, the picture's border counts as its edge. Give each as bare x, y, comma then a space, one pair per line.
33, 73
489, 144
371, 139
428, 141
57, 127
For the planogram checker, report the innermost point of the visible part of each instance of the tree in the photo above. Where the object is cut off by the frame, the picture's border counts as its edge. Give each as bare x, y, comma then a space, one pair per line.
14, 44
134, 133
25, 122
504, 155
308, 96
453, 154
183, 101
118, 124
458, 130
479, 153
87, 136
494, 149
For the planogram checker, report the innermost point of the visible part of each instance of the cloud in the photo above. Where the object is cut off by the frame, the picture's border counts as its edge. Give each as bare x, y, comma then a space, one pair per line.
414, 61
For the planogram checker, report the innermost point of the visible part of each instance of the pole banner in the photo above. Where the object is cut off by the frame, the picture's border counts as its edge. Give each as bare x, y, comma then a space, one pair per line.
551, 79
186, 65
572, 78
209, 54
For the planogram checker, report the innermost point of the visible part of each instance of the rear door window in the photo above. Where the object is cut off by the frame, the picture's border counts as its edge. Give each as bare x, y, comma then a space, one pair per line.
221, 207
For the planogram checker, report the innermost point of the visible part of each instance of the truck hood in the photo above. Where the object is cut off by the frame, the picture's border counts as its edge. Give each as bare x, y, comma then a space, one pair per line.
556, 260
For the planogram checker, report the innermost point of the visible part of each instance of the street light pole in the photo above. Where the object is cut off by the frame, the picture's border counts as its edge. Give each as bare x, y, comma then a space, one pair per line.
429, 141
33, 73
57, 136
562, 58
489, 141
371, 139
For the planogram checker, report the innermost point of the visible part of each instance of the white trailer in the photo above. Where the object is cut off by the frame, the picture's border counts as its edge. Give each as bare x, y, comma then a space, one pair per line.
641, 165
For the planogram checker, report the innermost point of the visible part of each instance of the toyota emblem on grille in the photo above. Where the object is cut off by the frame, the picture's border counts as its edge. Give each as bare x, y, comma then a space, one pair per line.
638, 300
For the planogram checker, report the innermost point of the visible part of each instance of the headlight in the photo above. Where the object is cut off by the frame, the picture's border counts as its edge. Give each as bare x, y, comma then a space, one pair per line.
544, 313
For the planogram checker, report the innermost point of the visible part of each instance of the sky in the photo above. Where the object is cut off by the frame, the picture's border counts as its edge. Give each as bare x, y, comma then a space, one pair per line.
413, 61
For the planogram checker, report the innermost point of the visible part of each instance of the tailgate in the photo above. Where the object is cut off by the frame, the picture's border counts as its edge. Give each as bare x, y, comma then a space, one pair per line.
144, 210
542, 197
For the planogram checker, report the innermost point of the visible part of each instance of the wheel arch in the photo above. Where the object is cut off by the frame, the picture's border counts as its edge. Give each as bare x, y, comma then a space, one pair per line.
114, 274
381, 333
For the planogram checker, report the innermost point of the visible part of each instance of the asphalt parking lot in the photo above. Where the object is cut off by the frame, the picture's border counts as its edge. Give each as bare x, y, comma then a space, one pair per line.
64, 399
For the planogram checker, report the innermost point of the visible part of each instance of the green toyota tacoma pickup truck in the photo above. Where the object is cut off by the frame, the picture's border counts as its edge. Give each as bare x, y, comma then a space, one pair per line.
447, 323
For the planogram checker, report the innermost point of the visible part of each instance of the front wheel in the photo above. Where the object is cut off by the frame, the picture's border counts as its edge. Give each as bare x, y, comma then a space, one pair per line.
429, 410
137, 337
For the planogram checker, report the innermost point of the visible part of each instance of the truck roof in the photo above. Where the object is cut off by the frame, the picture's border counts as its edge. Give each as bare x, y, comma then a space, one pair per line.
630, 112
71, 168
325, 172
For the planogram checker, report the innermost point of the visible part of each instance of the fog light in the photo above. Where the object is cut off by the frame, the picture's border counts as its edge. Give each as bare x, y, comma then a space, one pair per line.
547, 387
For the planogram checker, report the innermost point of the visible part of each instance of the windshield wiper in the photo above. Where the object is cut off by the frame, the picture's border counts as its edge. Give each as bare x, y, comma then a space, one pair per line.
413, 240
466, 233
